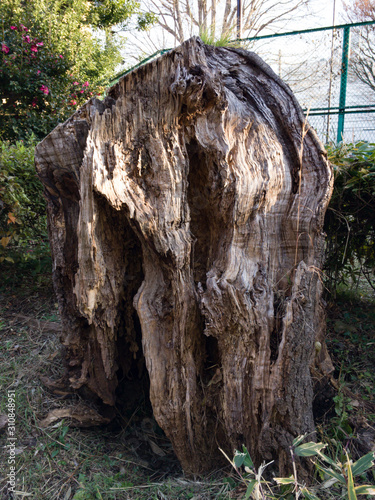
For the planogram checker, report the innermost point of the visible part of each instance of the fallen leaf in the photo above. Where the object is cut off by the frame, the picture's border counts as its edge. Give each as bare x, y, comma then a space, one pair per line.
156, 449
11, 218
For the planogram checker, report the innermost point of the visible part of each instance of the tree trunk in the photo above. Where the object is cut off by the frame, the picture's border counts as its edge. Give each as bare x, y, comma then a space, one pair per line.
185, 215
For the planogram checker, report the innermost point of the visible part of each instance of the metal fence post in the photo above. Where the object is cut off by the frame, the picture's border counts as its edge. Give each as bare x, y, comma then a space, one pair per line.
343, 82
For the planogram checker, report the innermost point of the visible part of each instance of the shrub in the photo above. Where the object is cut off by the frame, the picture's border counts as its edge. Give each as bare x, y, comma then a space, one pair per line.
23, 226
350, 218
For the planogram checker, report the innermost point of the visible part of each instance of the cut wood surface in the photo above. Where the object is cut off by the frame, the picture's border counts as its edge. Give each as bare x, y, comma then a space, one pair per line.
185, 216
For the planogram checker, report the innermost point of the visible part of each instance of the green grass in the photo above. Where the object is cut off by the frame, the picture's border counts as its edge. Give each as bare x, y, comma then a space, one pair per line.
224, 40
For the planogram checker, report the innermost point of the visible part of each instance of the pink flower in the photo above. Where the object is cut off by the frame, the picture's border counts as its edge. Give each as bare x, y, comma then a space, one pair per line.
75, 83
4, 48
61, 57
73, 103
13, 28
39, 44
82, 91
27, 39
86, 84
90, 93
38, 72
24, 27
44, 89
33, 48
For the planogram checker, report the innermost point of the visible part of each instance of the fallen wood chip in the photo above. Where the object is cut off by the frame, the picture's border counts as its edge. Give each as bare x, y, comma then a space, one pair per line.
82, 416
45, 326
59, 386
3, 421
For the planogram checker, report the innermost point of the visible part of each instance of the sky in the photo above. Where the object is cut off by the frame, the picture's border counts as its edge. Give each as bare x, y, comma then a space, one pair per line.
324, 13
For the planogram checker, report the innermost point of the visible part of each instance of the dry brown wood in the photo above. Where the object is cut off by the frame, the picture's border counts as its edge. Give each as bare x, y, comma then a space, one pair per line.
185, 216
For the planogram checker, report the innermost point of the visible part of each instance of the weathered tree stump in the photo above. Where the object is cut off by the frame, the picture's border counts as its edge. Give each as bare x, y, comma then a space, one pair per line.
185, 215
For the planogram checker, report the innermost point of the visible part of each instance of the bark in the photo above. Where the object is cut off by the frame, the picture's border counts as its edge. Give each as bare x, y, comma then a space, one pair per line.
185, 214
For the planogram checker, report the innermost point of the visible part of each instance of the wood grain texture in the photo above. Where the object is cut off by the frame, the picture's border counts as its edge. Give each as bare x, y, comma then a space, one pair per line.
185, 216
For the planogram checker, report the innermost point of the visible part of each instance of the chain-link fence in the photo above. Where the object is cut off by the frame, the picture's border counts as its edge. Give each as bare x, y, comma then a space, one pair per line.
332, 73
330, 70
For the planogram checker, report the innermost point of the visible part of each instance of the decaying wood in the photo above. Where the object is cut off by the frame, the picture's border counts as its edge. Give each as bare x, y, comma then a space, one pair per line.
185, 215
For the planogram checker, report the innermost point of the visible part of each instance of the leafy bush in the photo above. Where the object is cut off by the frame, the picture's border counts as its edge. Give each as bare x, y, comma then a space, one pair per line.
350, 218
23, 226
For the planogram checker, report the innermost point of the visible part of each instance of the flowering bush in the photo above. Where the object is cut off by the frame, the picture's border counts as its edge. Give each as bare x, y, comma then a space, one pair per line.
56, 54
37, 89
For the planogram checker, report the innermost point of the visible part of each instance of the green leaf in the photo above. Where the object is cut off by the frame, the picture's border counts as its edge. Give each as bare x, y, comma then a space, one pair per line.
248, 462
363, 464
309, 449
327, 484
351, 490
333, 473
239, 458
250, 488
285, 480
365, 489
328, 460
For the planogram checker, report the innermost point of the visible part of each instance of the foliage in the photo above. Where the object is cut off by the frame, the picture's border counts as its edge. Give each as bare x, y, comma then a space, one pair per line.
55, 55
350, 219
23, 227
337, 476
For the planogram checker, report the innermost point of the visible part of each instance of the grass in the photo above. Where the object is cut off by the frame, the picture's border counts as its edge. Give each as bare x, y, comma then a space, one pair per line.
117, 461
224, 40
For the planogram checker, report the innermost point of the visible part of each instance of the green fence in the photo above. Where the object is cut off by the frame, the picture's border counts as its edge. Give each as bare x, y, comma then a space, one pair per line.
331, 70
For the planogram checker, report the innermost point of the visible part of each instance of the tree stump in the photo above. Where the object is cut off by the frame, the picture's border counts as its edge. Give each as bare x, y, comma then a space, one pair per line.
185, 215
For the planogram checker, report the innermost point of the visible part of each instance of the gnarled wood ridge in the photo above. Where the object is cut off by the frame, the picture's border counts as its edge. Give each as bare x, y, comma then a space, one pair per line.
185, 215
